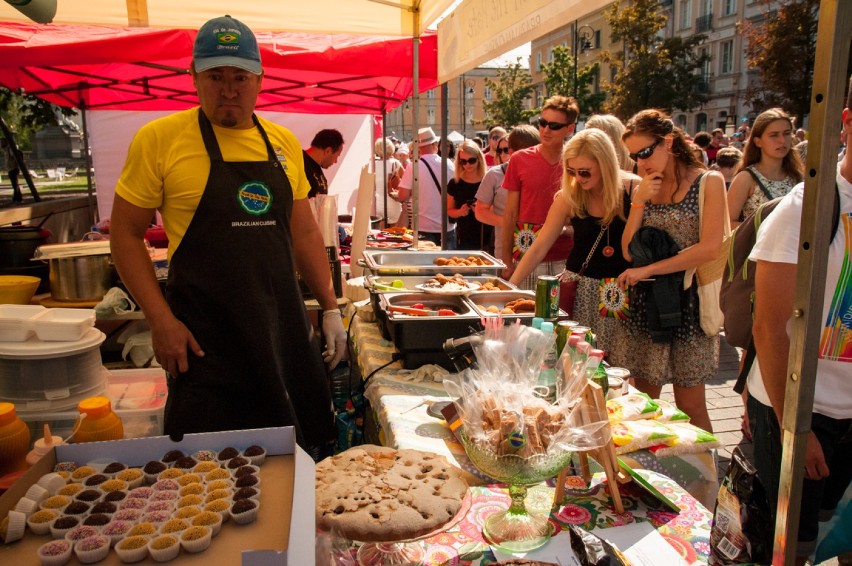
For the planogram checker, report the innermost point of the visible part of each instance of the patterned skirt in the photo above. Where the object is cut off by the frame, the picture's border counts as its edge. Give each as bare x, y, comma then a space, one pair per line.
586, 313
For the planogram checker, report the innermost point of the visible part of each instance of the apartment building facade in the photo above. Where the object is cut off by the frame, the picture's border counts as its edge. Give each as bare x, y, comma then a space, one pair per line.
725, 76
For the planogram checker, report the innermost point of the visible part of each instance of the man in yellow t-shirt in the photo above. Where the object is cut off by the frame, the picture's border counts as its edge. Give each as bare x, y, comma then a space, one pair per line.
231, 331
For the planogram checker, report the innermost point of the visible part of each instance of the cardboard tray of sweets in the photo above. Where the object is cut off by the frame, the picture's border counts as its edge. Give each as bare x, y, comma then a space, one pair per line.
285, 528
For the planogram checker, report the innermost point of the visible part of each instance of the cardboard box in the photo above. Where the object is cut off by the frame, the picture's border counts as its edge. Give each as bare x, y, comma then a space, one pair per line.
285, 528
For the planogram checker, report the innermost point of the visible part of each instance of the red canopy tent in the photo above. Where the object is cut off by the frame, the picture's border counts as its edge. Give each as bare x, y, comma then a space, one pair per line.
147, 68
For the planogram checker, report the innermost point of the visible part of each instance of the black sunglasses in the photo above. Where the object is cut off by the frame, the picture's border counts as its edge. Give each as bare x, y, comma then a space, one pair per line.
470, 161
583, 173
645, 153
500, 150
554, 126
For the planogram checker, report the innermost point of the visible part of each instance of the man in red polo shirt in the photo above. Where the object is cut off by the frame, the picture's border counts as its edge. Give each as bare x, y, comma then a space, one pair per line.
532, 179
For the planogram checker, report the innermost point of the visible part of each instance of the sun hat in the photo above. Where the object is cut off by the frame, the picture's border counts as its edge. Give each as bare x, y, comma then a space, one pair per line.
226, 42
426, 136
403, 149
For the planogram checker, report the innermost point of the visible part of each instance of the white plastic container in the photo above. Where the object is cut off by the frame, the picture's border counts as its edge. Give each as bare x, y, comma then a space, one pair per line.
62, 324
15, 321
51, 376
138, 397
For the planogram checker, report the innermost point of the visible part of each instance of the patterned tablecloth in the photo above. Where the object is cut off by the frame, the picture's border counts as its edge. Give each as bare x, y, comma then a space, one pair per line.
688, 532
400, 400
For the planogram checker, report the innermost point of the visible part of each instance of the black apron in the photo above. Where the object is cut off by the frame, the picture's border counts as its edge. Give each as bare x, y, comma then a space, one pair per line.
232, 282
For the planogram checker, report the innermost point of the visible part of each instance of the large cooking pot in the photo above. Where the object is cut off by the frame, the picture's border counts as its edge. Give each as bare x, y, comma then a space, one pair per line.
79, 271
18, 244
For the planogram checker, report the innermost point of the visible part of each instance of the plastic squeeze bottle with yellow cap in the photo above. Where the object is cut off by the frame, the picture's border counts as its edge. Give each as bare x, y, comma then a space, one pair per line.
14, 440
43, 445
97, 421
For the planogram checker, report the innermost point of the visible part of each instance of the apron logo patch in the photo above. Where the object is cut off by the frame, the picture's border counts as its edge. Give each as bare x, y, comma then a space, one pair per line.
255, 197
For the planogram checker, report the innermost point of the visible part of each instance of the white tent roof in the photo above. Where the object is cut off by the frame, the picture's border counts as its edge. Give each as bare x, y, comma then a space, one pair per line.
369, 17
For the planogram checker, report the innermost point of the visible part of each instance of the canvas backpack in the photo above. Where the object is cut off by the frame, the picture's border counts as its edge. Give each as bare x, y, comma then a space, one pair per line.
736, 297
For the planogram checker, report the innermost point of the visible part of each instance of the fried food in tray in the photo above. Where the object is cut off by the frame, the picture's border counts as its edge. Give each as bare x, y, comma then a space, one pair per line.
518, 306
455, 260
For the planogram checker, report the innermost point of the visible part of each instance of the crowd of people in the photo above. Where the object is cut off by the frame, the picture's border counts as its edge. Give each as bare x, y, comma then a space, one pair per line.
640, 204
645, 204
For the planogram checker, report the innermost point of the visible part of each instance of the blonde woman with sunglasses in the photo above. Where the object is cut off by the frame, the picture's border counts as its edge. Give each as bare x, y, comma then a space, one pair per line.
594, 198
461, 197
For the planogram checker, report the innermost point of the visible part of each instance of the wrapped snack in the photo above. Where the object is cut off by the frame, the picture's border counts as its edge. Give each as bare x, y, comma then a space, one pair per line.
631, 407
630, 436
500, 403
689, 439
670, 413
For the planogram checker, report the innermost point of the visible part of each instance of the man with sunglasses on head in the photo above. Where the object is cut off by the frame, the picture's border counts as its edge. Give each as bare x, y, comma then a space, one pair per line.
532, 179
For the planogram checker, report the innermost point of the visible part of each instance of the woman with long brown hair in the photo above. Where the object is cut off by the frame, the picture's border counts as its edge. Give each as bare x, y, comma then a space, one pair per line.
667, 199
769, 167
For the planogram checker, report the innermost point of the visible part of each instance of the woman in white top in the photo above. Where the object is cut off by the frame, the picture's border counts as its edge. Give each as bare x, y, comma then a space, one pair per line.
769, 167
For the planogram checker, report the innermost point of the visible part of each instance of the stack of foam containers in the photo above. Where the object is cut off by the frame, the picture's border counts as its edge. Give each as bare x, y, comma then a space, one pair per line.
49, 358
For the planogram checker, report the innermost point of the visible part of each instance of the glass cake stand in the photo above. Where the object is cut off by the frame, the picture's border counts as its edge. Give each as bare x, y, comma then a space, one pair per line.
516, 529
409, 552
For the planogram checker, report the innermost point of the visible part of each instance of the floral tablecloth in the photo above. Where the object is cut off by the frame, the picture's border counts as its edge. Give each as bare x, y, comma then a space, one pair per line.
589, 507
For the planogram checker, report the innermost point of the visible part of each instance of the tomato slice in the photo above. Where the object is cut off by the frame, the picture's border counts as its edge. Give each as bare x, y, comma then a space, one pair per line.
418, 306
446, 312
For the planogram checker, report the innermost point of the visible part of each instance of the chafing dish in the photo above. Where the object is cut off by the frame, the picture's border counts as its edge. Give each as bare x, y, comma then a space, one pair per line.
423, 263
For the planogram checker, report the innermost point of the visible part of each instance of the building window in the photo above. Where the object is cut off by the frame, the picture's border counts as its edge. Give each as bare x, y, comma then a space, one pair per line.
705, 69
681, 121
597, 39
550, 55
430, 115
700, 122
486, 94
469, 92
430, 94
726, 63
729, 7
538, 61
685, 14
468, 115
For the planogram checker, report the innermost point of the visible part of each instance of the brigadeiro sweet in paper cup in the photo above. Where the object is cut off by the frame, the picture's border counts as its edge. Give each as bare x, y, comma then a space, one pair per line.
132, 549
164, 548
55, 552
116, 530
62, 525
133, 476
92, 549
244, 511
208, 519
256, 454
196, 539
80, 532
39, 522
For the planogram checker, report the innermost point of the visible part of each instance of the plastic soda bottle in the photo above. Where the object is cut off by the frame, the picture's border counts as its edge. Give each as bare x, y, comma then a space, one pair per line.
97, 421
547, 374
14, 440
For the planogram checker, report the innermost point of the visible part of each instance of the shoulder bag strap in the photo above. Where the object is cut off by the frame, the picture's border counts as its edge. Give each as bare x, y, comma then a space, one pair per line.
759, 183
434, 178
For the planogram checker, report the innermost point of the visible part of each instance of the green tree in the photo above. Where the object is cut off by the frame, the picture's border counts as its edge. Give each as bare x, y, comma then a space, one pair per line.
559, 79
27, 114
782, 48
651, 72
512, 87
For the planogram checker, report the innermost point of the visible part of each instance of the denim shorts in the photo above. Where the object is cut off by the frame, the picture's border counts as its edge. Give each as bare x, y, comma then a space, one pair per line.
819, 497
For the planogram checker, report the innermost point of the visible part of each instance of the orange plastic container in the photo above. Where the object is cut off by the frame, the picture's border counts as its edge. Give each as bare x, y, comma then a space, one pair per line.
99, 423
14, 440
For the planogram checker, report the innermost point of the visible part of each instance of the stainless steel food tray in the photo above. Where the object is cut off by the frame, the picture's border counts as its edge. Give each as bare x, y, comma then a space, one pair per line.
412, 332
423, 262
481, 300
410, 282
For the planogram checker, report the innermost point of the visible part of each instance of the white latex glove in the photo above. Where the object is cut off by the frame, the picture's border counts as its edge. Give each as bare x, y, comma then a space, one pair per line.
335, 337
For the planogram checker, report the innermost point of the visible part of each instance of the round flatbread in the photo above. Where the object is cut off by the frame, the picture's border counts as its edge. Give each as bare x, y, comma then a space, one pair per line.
377, 494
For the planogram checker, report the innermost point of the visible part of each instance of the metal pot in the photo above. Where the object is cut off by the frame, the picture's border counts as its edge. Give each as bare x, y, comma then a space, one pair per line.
81, 279
19, 243
79, 272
